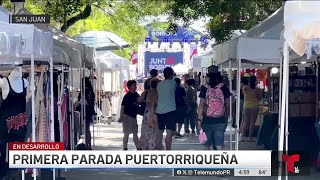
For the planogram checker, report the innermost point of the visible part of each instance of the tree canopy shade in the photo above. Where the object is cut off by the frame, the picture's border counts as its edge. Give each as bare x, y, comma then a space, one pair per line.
122, 17
69, 12
225, 15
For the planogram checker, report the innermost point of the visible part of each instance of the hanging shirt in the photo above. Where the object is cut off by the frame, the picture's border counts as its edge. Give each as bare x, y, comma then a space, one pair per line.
13, 116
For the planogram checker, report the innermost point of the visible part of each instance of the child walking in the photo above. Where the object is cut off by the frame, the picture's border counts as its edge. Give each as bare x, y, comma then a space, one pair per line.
128, 115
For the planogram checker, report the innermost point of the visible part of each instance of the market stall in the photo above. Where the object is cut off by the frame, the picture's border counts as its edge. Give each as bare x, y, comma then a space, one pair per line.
38, 46
301, 24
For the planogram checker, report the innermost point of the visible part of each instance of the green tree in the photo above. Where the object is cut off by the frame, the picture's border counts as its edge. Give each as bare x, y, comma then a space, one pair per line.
69, 12
225, 15
123, 19
120, 17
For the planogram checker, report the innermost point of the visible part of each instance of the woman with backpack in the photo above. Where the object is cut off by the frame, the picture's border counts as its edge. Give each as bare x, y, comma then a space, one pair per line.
213, 111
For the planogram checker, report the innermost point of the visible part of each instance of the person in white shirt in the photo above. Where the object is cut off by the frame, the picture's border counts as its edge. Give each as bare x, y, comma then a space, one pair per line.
166, 109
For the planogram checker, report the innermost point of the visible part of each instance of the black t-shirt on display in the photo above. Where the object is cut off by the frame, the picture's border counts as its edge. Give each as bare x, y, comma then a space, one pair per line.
180, 95
209, 120
130, 103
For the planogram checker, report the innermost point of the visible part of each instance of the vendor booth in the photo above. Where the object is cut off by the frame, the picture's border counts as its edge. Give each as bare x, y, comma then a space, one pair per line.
261, 46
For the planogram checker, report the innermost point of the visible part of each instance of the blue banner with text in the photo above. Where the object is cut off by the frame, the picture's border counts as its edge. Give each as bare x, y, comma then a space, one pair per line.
161, 60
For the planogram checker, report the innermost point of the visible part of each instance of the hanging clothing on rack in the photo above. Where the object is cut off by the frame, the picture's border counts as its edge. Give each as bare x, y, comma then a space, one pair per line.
13, 121
13, 117
40, 112
48, 97
64, 122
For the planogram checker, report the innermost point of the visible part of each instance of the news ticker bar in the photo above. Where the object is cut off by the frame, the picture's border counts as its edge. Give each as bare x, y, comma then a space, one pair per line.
139, 159
223, 172
44, 155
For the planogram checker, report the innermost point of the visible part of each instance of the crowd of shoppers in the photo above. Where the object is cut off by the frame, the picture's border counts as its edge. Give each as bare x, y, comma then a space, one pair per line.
170, 104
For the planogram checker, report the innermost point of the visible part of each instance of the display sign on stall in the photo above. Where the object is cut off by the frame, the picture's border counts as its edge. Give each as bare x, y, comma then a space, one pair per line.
30, 19
161, 60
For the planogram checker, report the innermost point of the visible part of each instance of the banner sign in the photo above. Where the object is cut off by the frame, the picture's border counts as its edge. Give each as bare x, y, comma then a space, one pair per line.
182, 35
30, 19
161, 60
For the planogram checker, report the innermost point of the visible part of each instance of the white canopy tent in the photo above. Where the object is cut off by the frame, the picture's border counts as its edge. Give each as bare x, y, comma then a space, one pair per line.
262, 45
35, 45
257, 48
301, 34
10, 48
33, 40
102, 40
68, 44
202, 61
114, 60
4, 14
117, 65
180, 69
59, 53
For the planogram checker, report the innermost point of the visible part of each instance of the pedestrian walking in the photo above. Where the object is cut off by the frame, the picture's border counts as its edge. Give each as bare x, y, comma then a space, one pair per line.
128, 115
191, 117
153, 74
166, 108
180, 106
149, 127
213, 111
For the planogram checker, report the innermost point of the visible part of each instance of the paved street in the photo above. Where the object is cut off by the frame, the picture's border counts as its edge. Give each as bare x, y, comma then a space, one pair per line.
110, 138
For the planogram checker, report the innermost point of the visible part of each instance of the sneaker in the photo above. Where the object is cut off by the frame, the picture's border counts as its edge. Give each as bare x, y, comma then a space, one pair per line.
125, 149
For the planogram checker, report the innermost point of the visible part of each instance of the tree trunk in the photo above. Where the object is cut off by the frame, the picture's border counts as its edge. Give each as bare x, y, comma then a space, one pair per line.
83, 15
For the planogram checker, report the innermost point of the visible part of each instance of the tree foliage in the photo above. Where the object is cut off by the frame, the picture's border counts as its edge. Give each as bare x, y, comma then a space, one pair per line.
225, 15
120, 17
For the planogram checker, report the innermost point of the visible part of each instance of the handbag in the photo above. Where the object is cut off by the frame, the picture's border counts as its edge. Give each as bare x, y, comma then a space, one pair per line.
202, 137
142, 107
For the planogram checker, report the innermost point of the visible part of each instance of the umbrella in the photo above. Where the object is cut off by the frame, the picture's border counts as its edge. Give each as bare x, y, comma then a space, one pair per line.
102, 40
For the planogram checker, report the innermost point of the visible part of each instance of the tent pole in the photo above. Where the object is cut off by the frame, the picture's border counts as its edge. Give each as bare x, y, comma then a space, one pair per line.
52, 107
317, 88
81, 104
279, 106
72, 109
33, 108
238, 103
287, 122
92, 81
231, 106
84, 104
99, 88
284, 109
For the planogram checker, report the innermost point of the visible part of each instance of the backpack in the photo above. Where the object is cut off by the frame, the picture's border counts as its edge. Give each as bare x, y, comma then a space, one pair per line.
215, 102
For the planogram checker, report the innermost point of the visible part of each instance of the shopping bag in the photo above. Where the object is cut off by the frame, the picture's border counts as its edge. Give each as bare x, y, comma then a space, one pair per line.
202, 137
